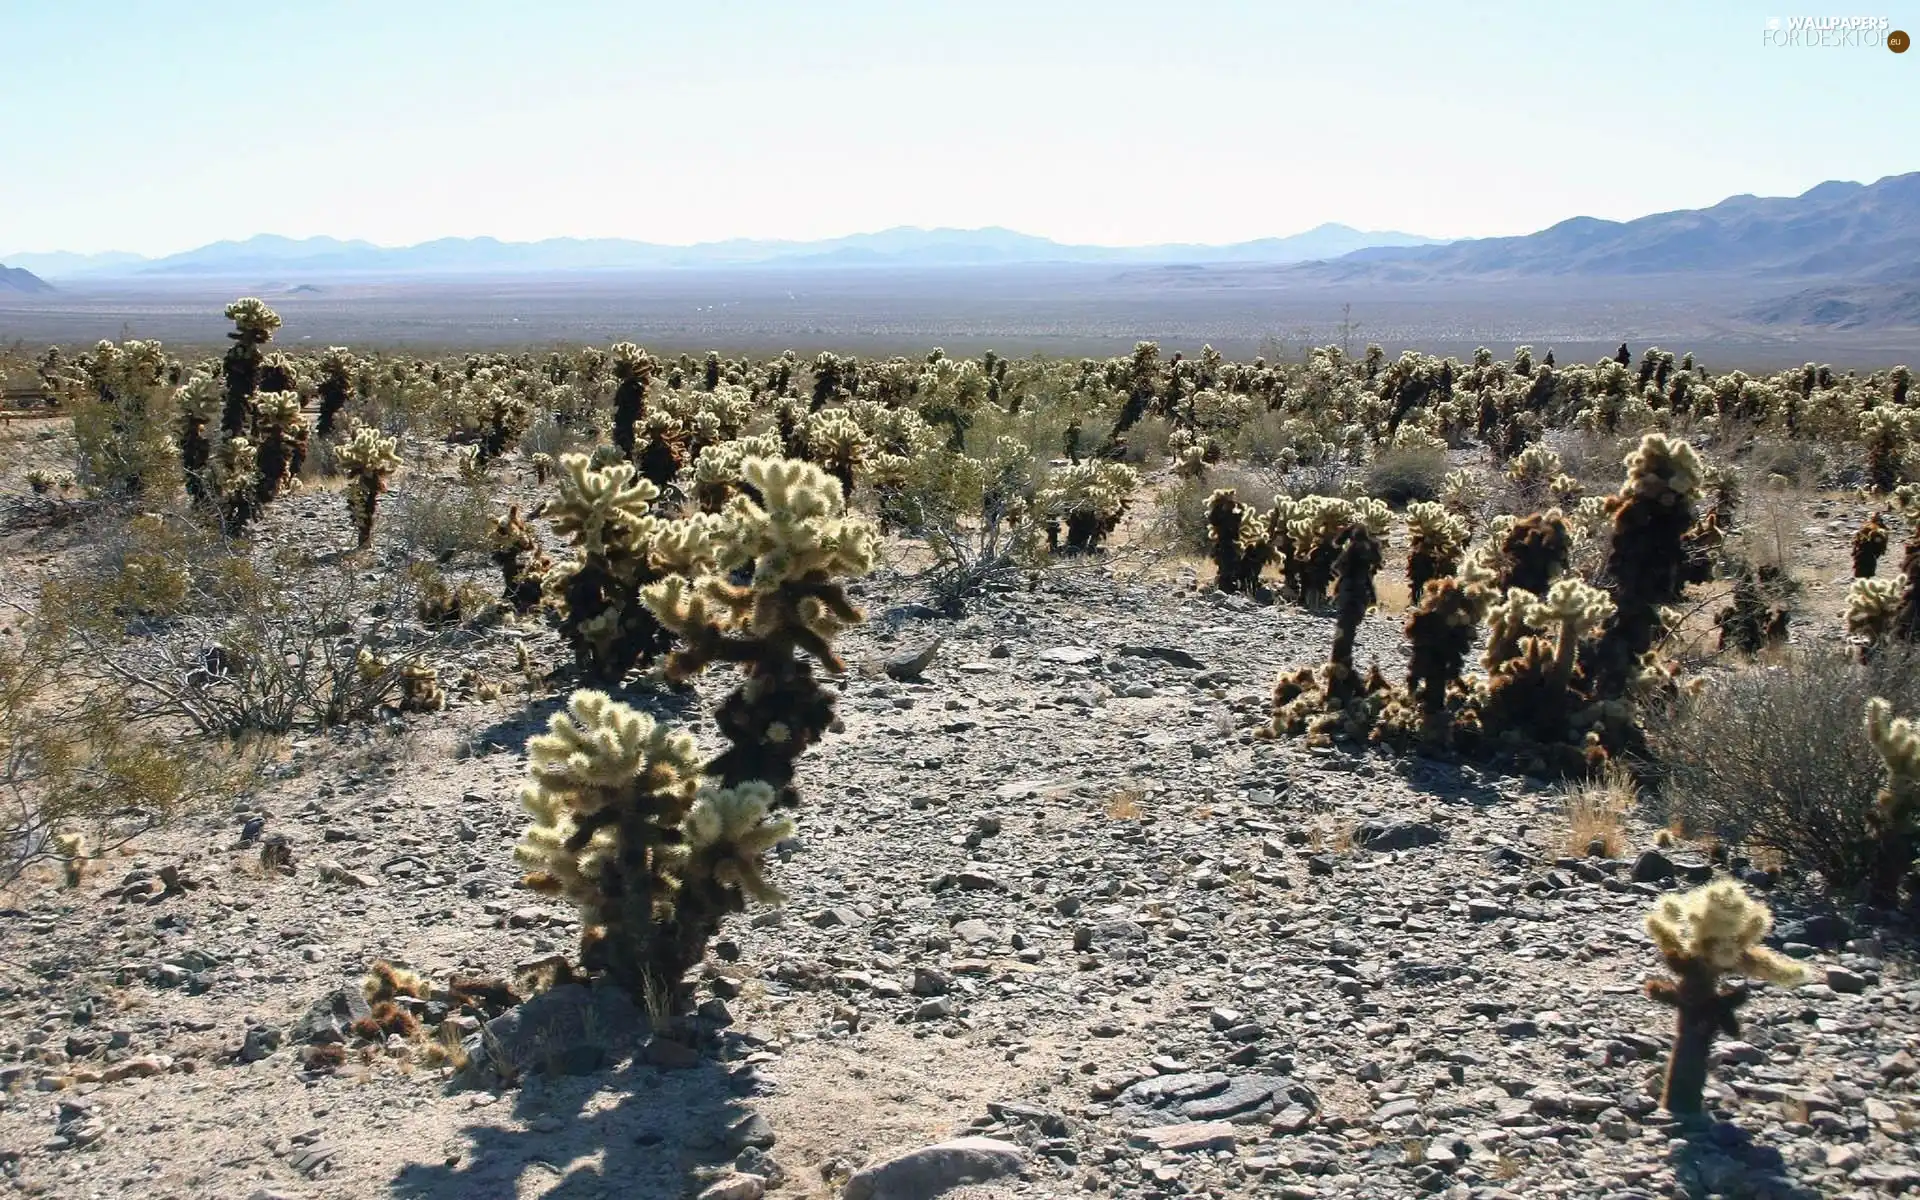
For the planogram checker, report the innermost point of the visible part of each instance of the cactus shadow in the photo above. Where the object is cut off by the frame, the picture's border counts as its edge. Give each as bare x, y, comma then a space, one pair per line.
656, 1134
1721, 1158
511, 733
1445, 781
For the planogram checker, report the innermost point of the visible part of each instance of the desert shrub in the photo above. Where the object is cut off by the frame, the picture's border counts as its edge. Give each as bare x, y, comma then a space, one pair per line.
442, 522
80, 772
1401, 475
123, 422
1798, 461
191, 632
1147, 442
1778, 758
547, 436
972, 513
1265, 440
1180, 523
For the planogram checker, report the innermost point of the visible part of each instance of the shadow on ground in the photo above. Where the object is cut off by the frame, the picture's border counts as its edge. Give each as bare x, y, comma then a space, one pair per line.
1722, 1159
663, 1130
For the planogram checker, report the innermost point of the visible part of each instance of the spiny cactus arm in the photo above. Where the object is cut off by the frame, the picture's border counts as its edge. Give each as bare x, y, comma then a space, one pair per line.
599, 747
729, 831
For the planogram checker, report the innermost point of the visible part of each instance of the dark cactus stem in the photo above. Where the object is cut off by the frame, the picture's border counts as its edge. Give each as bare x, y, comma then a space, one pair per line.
1869, 544
1224, 521
195, 453
1440, 631
1702, 1012
242, 374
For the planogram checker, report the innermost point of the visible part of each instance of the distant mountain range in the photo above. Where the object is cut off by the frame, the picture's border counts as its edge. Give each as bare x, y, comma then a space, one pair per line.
14, 279
1865, 233
902, 247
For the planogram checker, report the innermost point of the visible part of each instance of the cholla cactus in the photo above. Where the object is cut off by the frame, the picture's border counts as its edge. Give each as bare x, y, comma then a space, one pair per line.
337, 369
281, 435
1089, 499
542, 464
1533, 704
198, 401
1869, 544
236, 479
1533, 471
1885, 431
1440, 630
1703, 936
1462, 495
43, 481
1239, 542
1314, 528
254, 324
655, 849
607, 512
660, 447
1335, 701
634, 370
1435, 541
1753, 622
420, 689
1647, 561
523, 565
836, 441
1895, 820
367, 460
1874, 606
1533, 552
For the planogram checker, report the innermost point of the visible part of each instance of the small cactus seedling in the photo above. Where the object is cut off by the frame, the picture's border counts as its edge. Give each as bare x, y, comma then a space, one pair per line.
420, 689
1704, 936
1869, 544
1896, 815
367, 460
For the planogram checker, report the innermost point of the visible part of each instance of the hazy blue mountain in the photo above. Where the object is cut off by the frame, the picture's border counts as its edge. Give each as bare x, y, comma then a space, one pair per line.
1837, 229
17, 279
900, 247
63, 264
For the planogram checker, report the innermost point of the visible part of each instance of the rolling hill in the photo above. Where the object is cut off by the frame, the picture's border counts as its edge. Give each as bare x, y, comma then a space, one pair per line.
17, 279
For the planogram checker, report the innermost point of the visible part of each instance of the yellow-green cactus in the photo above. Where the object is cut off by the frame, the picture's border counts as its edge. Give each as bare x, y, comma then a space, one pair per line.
1089, 499
656, 849
1895, 820
1436, 539
1703, 936
367, 459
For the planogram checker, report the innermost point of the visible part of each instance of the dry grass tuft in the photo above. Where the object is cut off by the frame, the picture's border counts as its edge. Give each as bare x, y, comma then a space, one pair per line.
1596, 811
1124, 805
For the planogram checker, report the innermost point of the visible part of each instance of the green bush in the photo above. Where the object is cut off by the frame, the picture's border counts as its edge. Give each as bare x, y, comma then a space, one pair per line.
1778, 758
1400, 476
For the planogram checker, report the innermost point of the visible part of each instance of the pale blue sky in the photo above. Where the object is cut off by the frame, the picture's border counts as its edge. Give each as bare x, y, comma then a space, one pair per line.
155, 127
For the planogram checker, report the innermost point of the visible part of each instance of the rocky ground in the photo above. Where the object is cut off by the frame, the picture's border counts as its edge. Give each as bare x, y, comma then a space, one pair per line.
1050, 892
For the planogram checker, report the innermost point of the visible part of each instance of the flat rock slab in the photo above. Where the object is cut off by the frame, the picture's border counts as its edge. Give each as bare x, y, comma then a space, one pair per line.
1188, 1137
931, 1170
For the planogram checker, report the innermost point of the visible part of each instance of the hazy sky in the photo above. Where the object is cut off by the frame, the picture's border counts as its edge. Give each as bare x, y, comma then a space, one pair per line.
155, 127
